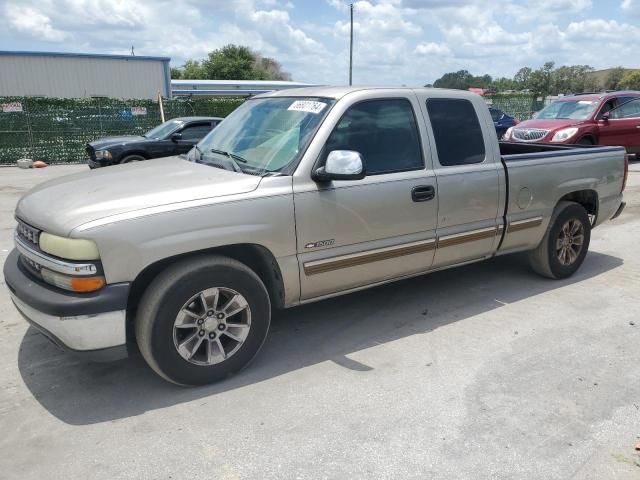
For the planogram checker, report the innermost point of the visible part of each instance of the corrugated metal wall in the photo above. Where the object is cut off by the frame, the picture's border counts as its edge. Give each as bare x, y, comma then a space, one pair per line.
80, 77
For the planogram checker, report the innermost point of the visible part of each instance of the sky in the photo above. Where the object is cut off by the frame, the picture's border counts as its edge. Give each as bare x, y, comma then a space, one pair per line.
396, 42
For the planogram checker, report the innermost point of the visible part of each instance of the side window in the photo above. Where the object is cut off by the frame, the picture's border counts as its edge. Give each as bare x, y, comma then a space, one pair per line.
385, 134
457, 132
629, 108
608, 106
195, 131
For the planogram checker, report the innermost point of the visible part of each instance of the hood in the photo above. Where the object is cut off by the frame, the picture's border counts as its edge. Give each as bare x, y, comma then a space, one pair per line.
107, 142
60, 205
549, 123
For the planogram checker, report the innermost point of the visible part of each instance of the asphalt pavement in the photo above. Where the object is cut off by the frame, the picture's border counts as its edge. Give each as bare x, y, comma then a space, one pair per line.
482, 372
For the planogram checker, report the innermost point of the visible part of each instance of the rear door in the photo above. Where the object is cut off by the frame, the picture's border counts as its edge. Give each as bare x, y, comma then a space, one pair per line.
354, 233
469, 180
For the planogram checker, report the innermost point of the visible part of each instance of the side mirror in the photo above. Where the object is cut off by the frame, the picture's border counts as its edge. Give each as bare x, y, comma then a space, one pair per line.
341, 165
605, 117
176, 136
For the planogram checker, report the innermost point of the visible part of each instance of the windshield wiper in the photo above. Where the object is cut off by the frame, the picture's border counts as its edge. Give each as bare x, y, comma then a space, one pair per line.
232, 158
230, 155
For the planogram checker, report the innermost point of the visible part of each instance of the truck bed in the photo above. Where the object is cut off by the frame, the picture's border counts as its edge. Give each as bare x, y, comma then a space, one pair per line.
538, 176
513, 151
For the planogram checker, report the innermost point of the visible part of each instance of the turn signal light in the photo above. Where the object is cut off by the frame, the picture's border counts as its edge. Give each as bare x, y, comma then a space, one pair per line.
73, 284
88, 284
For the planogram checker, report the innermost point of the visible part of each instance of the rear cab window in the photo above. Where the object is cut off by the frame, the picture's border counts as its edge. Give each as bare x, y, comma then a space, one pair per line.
456, 130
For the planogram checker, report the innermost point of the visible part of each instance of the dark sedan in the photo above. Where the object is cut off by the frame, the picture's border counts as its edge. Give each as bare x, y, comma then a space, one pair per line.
501, 121
172, 137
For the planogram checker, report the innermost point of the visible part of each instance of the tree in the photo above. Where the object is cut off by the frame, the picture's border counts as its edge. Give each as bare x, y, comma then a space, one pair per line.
523, 77
540, 80
572, 79
462, 80
232, 62
613, 78
630, 80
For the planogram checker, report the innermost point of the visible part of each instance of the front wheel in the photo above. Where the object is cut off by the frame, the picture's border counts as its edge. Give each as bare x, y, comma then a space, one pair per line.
565, 243
202, 319
132, 158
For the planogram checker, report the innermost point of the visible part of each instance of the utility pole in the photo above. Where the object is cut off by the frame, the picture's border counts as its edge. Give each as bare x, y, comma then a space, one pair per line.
351, 47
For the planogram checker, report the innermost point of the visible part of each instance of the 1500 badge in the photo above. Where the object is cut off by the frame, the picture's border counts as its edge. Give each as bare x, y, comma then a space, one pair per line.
321, 243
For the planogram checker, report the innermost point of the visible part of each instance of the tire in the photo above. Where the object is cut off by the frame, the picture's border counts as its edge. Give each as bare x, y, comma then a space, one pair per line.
161, 320
132, 158
547, 260
585, 141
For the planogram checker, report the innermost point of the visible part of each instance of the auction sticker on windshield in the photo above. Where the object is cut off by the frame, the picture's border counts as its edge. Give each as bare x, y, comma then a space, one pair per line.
307, 106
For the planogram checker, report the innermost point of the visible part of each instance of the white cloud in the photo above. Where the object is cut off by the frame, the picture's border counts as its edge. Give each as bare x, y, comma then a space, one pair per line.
432, 49
33, 22
395, 41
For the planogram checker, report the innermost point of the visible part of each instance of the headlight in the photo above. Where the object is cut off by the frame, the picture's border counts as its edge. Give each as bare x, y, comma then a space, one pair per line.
68, 248
507, 134
73, 284
564, 134
103, 155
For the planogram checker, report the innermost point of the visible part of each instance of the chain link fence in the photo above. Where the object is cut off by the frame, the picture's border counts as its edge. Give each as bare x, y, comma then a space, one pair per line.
520, 106
56, 130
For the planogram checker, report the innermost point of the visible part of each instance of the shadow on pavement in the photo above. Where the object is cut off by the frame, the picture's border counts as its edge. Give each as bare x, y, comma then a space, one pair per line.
81, 393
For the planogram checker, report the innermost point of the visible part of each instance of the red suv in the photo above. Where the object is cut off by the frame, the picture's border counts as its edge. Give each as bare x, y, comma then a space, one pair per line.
585, 119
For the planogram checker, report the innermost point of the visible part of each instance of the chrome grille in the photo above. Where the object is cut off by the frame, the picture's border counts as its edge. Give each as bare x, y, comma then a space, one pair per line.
529, 134
28, 233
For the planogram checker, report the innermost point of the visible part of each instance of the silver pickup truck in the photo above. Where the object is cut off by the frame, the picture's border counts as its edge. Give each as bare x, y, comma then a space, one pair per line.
297, 196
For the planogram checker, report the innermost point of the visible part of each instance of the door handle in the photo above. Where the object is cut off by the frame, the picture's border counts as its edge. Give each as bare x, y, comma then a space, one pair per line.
423, 193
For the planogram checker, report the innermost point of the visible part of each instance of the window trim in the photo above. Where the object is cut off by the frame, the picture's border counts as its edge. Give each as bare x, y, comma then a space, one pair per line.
435, 141
322, 157
620, 104
200, 123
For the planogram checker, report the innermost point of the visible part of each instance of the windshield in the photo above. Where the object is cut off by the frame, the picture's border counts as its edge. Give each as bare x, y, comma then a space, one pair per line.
496, 115
266, 134
164, 129
576, 110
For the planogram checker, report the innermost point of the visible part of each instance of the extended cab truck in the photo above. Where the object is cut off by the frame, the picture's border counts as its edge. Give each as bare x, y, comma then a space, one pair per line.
297, 196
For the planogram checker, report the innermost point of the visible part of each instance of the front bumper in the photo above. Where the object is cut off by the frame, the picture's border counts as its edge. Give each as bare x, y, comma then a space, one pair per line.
98, 163
93, 324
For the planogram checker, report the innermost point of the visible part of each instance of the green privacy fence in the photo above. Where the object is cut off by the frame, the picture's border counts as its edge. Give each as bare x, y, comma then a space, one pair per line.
56, 129
520, 106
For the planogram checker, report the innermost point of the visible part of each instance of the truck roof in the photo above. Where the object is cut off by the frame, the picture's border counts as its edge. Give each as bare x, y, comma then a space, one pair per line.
340, 91
195, 118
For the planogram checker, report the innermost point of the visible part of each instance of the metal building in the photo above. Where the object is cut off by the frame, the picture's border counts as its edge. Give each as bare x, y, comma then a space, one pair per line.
78, 75
230, 88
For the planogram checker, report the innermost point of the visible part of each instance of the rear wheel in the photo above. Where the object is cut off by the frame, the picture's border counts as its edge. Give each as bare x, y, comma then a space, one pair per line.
565, 244
202, 319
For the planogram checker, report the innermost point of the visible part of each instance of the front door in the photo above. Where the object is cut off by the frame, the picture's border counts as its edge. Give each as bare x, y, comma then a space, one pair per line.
190, 135
623, 126
354, 233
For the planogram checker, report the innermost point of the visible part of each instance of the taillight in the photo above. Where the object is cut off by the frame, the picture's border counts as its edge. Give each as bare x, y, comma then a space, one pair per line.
626, 172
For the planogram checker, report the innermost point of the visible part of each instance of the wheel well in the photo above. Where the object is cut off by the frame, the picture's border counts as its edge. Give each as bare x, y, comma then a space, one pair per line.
587, 198
256, 257
589, 136
128, 154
